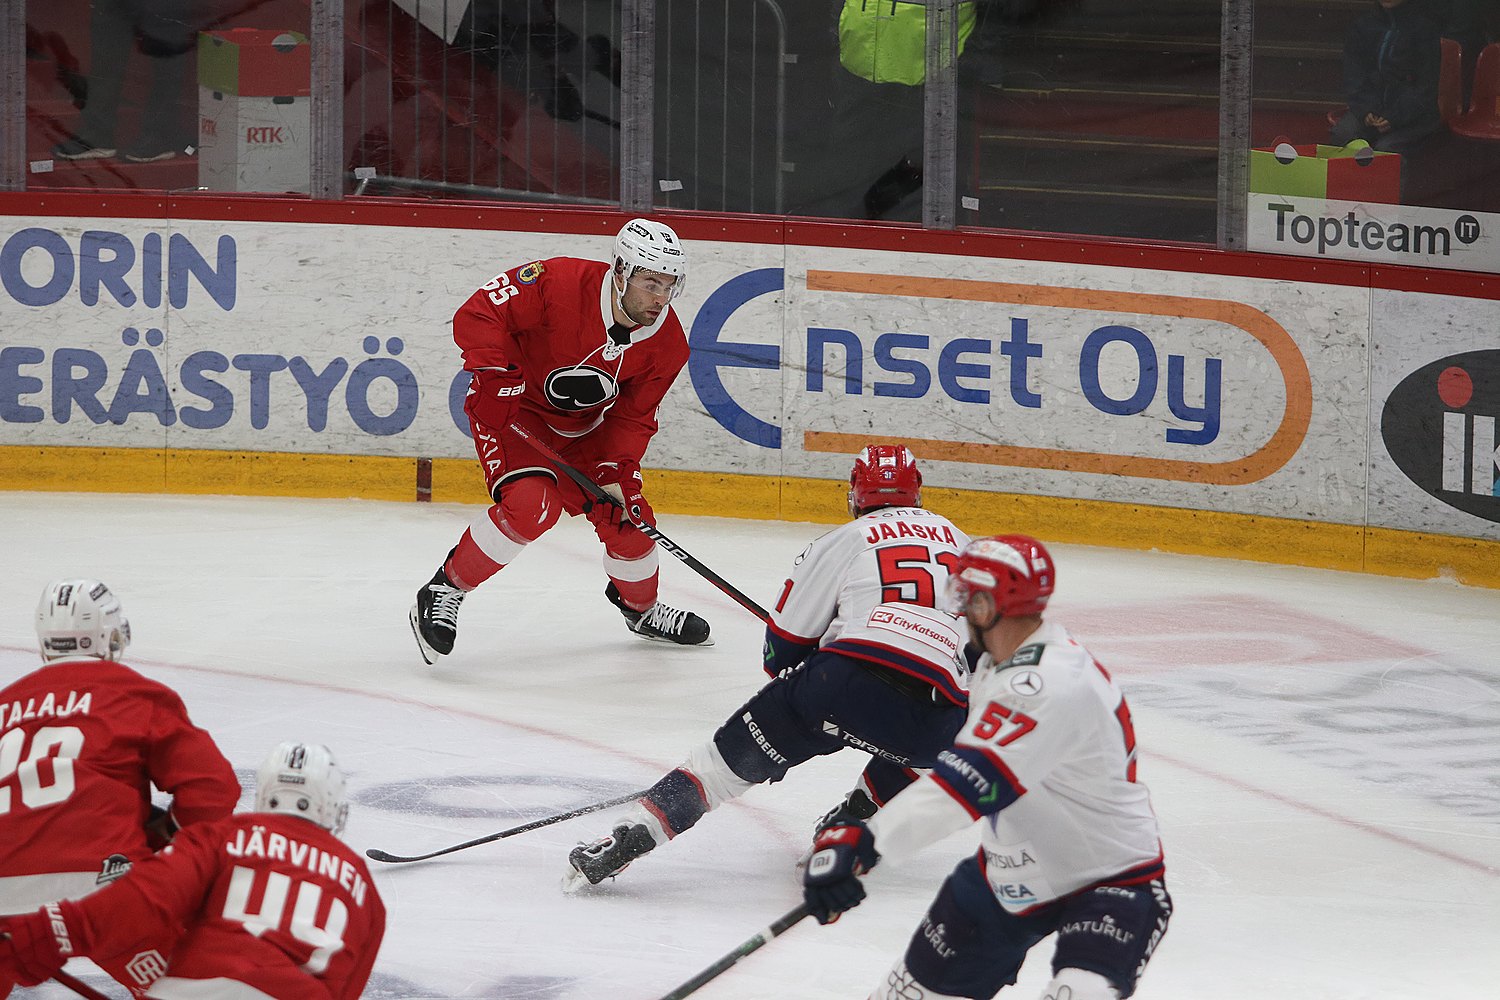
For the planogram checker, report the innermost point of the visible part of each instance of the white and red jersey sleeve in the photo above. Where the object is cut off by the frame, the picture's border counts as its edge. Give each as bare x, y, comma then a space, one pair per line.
81, 743
896, 554
270, 901
1047, 760
551, 319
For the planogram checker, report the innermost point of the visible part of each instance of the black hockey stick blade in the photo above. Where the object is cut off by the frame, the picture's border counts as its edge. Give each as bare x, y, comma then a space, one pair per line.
780, 927
375, 854
601, 495
81, 988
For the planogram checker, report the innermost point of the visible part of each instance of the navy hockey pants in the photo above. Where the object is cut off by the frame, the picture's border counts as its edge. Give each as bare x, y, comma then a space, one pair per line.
830, 702
970, 946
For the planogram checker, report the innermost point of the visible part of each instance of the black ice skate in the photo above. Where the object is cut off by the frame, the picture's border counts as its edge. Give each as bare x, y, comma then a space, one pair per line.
856, 805
662, 622
590, 864
434, 618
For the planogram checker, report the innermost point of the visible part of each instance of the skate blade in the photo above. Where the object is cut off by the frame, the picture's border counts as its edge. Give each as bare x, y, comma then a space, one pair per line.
574, 880
672, 642
429, 654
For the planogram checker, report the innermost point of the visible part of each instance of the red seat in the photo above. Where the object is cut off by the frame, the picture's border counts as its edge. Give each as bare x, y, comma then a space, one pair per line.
1482, 120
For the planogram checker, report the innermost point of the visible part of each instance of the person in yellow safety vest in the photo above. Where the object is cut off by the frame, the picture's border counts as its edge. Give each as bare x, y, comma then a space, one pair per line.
884, 41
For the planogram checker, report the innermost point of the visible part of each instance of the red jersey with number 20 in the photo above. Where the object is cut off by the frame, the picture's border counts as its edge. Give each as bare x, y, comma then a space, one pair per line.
887, 556
551, 319
272, 902
81, 743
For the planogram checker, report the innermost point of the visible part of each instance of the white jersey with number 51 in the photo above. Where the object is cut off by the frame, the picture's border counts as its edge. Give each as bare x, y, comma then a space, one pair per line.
891, 555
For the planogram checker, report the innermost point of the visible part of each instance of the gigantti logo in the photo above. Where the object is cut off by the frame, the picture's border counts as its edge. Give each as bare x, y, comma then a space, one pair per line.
1439, 426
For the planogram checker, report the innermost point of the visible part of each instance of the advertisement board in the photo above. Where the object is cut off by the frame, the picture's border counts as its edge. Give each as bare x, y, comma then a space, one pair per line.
1373, 232
1435, 400
1237, 393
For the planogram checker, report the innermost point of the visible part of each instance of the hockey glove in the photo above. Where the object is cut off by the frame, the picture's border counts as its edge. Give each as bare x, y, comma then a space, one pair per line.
494, 396
160, 828
31, 945
830, 884
621, 480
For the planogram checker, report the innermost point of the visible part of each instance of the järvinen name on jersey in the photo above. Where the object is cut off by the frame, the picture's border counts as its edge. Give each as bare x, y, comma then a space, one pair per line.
257, 843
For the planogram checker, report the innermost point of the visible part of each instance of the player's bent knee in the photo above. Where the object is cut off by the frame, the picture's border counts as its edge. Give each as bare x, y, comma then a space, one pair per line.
627, 544
529, 506
1080, 984
900, 984
748, 751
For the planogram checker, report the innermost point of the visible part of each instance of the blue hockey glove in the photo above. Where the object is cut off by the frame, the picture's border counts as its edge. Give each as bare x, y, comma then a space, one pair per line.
841, 854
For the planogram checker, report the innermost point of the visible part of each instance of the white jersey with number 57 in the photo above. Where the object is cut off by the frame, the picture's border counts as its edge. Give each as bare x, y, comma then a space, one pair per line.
1047, 761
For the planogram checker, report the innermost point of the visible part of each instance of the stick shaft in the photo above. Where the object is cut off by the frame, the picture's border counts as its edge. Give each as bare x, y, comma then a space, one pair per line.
81, 988
651, 531
780, 927
379, 855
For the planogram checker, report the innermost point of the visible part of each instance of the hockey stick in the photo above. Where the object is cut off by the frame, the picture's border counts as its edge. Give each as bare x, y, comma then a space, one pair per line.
379, 855
601, 495
81, 988
777, 929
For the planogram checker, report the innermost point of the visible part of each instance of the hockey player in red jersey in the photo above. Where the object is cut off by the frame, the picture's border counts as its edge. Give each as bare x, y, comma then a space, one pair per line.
858, 658
580, 354
1047, 762
275, 904
82, 741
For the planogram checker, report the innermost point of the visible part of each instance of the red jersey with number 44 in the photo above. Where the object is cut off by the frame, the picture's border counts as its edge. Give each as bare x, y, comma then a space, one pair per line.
81, 743
552, 319
271, 901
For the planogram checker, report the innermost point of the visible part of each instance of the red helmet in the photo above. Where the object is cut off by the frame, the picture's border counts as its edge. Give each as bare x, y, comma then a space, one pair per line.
1016, 571
884, 475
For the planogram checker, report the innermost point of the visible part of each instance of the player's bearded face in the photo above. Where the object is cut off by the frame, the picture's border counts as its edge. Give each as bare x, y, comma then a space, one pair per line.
646, 295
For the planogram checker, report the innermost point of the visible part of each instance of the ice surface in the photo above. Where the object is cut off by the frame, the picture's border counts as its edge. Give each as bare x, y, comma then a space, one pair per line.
1323, 749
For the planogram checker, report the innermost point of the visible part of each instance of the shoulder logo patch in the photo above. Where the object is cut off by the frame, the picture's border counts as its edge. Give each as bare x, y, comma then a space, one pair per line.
1026, 656
528, 273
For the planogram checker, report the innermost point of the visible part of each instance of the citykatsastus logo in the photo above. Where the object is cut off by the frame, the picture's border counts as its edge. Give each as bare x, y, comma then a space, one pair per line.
1439, 427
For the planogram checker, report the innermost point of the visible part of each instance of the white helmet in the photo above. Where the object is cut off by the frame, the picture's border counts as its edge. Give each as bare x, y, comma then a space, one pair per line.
650, 246
303, 779
80, 618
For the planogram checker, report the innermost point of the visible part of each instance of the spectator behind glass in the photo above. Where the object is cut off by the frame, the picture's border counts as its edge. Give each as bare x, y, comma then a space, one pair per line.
1392, 58
159, 31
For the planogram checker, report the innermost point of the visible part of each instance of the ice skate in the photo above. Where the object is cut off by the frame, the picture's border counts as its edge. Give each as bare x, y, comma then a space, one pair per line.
434, 618
590, 864
662, 622
856, 805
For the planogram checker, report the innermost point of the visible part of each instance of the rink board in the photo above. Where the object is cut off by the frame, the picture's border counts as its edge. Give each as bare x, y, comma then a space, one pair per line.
1185, 400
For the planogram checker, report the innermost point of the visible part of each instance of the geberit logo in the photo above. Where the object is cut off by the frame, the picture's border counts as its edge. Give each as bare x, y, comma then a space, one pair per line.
1325, 233
1439, 427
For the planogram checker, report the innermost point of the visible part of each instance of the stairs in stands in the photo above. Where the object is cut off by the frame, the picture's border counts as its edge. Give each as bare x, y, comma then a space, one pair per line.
1107, 119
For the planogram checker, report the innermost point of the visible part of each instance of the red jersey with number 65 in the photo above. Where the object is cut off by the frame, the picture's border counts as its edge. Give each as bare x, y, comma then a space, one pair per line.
271, 901
81, 743
552, 319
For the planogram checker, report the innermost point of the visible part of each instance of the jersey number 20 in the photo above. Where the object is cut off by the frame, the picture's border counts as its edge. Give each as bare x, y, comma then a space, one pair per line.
59, 744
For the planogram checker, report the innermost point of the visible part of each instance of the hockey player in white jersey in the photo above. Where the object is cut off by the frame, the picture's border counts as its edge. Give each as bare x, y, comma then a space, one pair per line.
1047, 761
858, 657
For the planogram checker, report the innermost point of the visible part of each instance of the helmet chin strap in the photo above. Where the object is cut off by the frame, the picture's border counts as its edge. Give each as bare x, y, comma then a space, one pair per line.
617, 283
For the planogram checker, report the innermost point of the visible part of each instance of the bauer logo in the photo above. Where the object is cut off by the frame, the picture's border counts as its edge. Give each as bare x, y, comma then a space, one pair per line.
1440, 428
